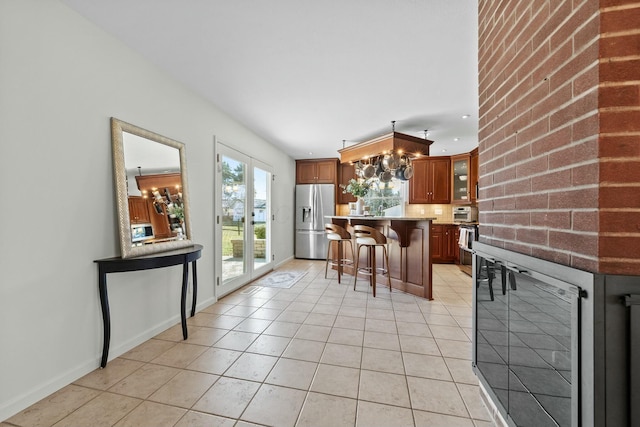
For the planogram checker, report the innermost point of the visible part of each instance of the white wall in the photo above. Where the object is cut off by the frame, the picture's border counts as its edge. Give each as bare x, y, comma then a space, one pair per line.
61, 79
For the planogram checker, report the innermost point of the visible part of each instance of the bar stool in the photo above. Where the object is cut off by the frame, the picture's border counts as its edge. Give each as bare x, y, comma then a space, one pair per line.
337, 234
370, 238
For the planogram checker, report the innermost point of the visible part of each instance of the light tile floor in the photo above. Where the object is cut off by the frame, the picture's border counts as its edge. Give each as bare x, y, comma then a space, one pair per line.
317, 354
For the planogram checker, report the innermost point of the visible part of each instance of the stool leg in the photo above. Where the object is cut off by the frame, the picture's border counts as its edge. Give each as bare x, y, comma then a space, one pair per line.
386, 258
326, 264
372, 262
355, 271
340, 256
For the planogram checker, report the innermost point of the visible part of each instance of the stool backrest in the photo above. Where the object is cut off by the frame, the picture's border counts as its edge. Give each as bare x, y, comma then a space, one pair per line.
361, 231
336, 229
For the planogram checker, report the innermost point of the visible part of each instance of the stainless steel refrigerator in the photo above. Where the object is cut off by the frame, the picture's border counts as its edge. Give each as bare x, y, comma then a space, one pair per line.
313, 203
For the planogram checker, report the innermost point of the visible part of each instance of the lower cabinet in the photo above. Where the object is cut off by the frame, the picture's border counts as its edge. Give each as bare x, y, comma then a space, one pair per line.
444, 243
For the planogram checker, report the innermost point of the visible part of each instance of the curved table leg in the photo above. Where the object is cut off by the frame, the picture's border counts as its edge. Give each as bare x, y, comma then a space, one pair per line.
106, 318
195, 289
183, 299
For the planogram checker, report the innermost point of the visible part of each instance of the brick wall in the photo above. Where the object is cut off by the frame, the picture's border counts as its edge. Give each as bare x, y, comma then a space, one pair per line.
560, 130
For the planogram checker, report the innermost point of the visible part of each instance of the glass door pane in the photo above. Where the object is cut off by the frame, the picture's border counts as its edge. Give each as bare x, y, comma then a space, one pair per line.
261, 218
243, 219
233, 218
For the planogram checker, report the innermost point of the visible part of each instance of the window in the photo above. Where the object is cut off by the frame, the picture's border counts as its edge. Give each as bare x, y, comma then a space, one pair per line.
387, 198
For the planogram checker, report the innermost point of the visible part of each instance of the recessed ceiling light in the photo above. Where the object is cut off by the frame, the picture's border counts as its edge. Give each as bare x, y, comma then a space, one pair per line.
310, 153
444, 150
456, 139
466, 116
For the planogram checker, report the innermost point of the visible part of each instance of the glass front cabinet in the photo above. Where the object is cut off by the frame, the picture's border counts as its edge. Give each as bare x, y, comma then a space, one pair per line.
460, 184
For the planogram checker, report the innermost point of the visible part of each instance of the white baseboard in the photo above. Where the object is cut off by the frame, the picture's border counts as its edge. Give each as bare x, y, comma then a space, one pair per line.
19, 403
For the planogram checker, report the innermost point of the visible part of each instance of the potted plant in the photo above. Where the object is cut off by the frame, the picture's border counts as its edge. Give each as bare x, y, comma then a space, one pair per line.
359, 188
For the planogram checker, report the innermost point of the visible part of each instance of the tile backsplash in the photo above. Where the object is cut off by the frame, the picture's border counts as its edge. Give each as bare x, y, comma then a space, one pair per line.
442, 213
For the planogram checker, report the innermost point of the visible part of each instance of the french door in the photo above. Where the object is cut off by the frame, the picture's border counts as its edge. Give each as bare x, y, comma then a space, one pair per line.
243, 219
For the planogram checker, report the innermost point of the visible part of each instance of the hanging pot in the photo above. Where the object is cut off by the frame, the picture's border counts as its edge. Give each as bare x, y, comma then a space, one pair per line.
368, 171
391, 161
404, 173
386, 176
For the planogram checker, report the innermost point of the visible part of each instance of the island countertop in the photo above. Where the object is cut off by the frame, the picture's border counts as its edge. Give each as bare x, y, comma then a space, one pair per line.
378, 218
409, 249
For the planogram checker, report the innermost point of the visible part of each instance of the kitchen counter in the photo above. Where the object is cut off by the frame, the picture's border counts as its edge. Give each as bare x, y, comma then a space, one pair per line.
409, 250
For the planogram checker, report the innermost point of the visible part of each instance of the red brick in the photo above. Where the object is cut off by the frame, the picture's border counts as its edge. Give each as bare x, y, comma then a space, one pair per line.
585, 264
519, 155
620, 45
586, 127
505, 175
518, 247
589, 79
589, 33
576, 153
551, 255
557, 16
585, 244
579, 107
517, 218
584, 221
532, 201
620, 172
620, 71
560, 97
558, 138
620, 121
533, 236
552, 219
534, 166
546, 66
630, 267
578, 62
574, 199
492, 192
620, 246
505, 233
535, 131
585, 175
504, 203
620, 222
551, 181
620, 197
619, 146
619, 96
620, 20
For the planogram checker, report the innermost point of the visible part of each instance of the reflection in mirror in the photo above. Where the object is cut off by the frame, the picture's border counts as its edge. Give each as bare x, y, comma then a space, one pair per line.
150, 172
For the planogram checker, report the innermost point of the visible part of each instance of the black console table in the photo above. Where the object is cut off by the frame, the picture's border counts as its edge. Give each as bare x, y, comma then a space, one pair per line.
182, 256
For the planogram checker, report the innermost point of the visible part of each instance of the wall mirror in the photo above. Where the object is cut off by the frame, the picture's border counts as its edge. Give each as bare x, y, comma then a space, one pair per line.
151, 190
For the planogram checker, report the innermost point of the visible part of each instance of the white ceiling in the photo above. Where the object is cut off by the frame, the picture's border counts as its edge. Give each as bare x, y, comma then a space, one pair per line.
307, 74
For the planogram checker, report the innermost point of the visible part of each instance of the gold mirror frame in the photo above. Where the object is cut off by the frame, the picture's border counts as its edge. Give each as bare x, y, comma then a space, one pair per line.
128, 250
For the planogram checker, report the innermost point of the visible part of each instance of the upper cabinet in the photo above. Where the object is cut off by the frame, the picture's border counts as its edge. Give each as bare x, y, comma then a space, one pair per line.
473, 176
464, 177
346, 171
319, 171
460, 182
431, 182
138, 210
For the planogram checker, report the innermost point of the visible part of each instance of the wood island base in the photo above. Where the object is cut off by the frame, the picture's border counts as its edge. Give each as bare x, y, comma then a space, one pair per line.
409, 251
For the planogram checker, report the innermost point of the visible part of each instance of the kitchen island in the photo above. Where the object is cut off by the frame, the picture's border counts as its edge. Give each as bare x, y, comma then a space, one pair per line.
409, 250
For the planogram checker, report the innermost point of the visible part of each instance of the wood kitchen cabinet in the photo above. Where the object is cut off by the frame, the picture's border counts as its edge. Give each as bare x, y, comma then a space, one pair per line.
317, 171
473, 175
444, 244
346, 171
460, 179
431, 182
138, 210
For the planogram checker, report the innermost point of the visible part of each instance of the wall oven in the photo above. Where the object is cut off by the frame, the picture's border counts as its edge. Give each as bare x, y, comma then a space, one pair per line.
465, 214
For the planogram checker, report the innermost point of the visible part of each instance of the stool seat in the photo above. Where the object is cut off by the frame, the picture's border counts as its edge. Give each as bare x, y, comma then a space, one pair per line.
370, 238
340, 236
